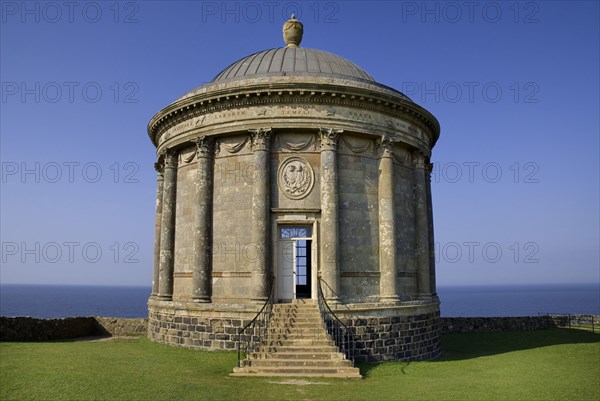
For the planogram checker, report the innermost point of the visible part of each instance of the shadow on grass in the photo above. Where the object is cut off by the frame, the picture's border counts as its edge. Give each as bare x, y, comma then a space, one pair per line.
474, 345
366, 368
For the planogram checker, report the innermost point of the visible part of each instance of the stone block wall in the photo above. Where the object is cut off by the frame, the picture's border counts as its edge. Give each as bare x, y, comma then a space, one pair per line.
396, 338
196, 332
358, 215
406, 281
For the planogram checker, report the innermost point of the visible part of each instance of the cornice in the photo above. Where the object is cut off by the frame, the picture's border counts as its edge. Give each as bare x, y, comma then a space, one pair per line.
292, 93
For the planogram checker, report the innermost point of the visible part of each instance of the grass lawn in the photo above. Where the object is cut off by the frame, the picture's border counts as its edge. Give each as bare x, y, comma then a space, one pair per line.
557, 364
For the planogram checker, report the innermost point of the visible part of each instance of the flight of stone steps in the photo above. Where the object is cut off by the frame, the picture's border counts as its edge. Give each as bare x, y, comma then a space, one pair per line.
297, 345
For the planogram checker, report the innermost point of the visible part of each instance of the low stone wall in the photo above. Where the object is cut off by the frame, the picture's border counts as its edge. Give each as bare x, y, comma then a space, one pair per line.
522, 323
377, 339
32, 329
118, 327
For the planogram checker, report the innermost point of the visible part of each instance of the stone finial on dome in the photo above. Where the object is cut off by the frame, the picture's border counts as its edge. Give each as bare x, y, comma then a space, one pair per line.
292, 32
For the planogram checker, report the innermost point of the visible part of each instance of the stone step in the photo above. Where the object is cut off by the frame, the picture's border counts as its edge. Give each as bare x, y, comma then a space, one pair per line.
296, 313
296, 363
298, 341
297, 319
278, 307
306, 332
305, 304
296, 306
300, 331
284, 349
305, 301
297, 335
297, 344
317, 324
296, 355
342, 372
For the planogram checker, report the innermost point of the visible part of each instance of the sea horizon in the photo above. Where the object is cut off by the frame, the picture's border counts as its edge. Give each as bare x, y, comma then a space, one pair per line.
130, 301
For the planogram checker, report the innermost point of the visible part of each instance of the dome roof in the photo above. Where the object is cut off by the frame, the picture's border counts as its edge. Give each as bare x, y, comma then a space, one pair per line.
293, 61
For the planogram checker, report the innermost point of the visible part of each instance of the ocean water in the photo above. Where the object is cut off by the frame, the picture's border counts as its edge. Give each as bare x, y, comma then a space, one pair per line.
49, 301
522, 300
62, 301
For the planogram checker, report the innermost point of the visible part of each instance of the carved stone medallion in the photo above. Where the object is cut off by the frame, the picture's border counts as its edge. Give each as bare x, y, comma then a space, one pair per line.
295, 178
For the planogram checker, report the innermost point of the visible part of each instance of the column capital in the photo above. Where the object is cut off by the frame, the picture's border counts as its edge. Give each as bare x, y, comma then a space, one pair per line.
418, 159
386, 146
428, 168
329, 138
260, 138
169, 157
159, 166
204, 146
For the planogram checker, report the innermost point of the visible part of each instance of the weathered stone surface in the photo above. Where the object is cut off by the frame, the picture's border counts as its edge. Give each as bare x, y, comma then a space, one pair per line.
302, 138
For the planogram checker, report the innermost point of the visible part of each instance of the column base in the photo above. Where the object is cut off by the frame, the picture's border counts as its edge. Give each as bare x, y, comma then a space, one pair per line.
164, 297
389, 299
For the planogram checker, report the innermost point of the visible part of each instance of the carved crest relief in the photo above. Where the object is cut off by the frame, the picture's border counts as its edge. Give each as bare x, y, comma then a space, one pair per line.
295, 178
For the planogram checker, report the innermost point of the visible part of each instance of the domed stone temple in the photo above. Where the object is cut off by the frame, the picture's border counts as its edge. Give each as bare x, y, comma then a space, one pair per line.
293, 175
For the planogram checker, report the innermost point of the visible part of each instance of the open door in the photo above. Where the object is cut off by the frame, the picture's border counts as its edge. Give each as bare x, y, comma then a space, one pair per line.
294, 263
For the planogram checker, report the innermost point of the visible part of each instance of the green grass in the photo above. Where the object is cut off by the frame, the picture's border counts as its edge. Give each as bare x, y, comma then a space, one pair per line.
558, 364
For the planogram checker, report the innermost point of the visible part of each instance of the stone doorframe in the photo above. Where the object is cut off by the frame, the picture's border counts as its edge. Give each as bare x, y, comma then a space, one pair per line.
296, 217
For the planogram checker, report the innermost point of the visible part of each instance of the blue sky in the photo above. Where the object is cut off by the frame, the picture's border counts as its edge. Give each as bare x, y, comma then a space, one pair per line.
515, 86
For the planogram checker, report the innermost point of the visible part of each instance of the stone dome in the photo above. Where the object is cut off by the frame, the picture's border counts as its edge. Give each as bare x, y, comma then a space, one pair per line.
293, 61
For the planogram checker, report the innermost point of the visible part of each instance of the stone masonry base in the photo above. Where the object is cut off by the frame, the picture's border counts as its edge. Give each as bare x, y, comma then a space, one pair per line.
383, 335
396, 338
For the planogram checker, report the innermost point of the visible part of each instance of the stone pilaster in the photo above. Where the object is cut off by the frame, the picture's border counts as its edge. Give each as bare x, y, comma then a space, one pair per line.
432, 284
201, 273
329, 240
160, 177
261, 218
167, 227
387, 222
421, 225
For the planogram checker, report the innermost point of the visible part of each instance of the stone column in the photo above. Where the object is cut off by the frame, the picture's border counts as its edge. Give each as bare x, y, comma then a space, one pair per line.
201, 273
261, 214
329, 214
167, 227
421, 225
160, 177
432, 284
387, 222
